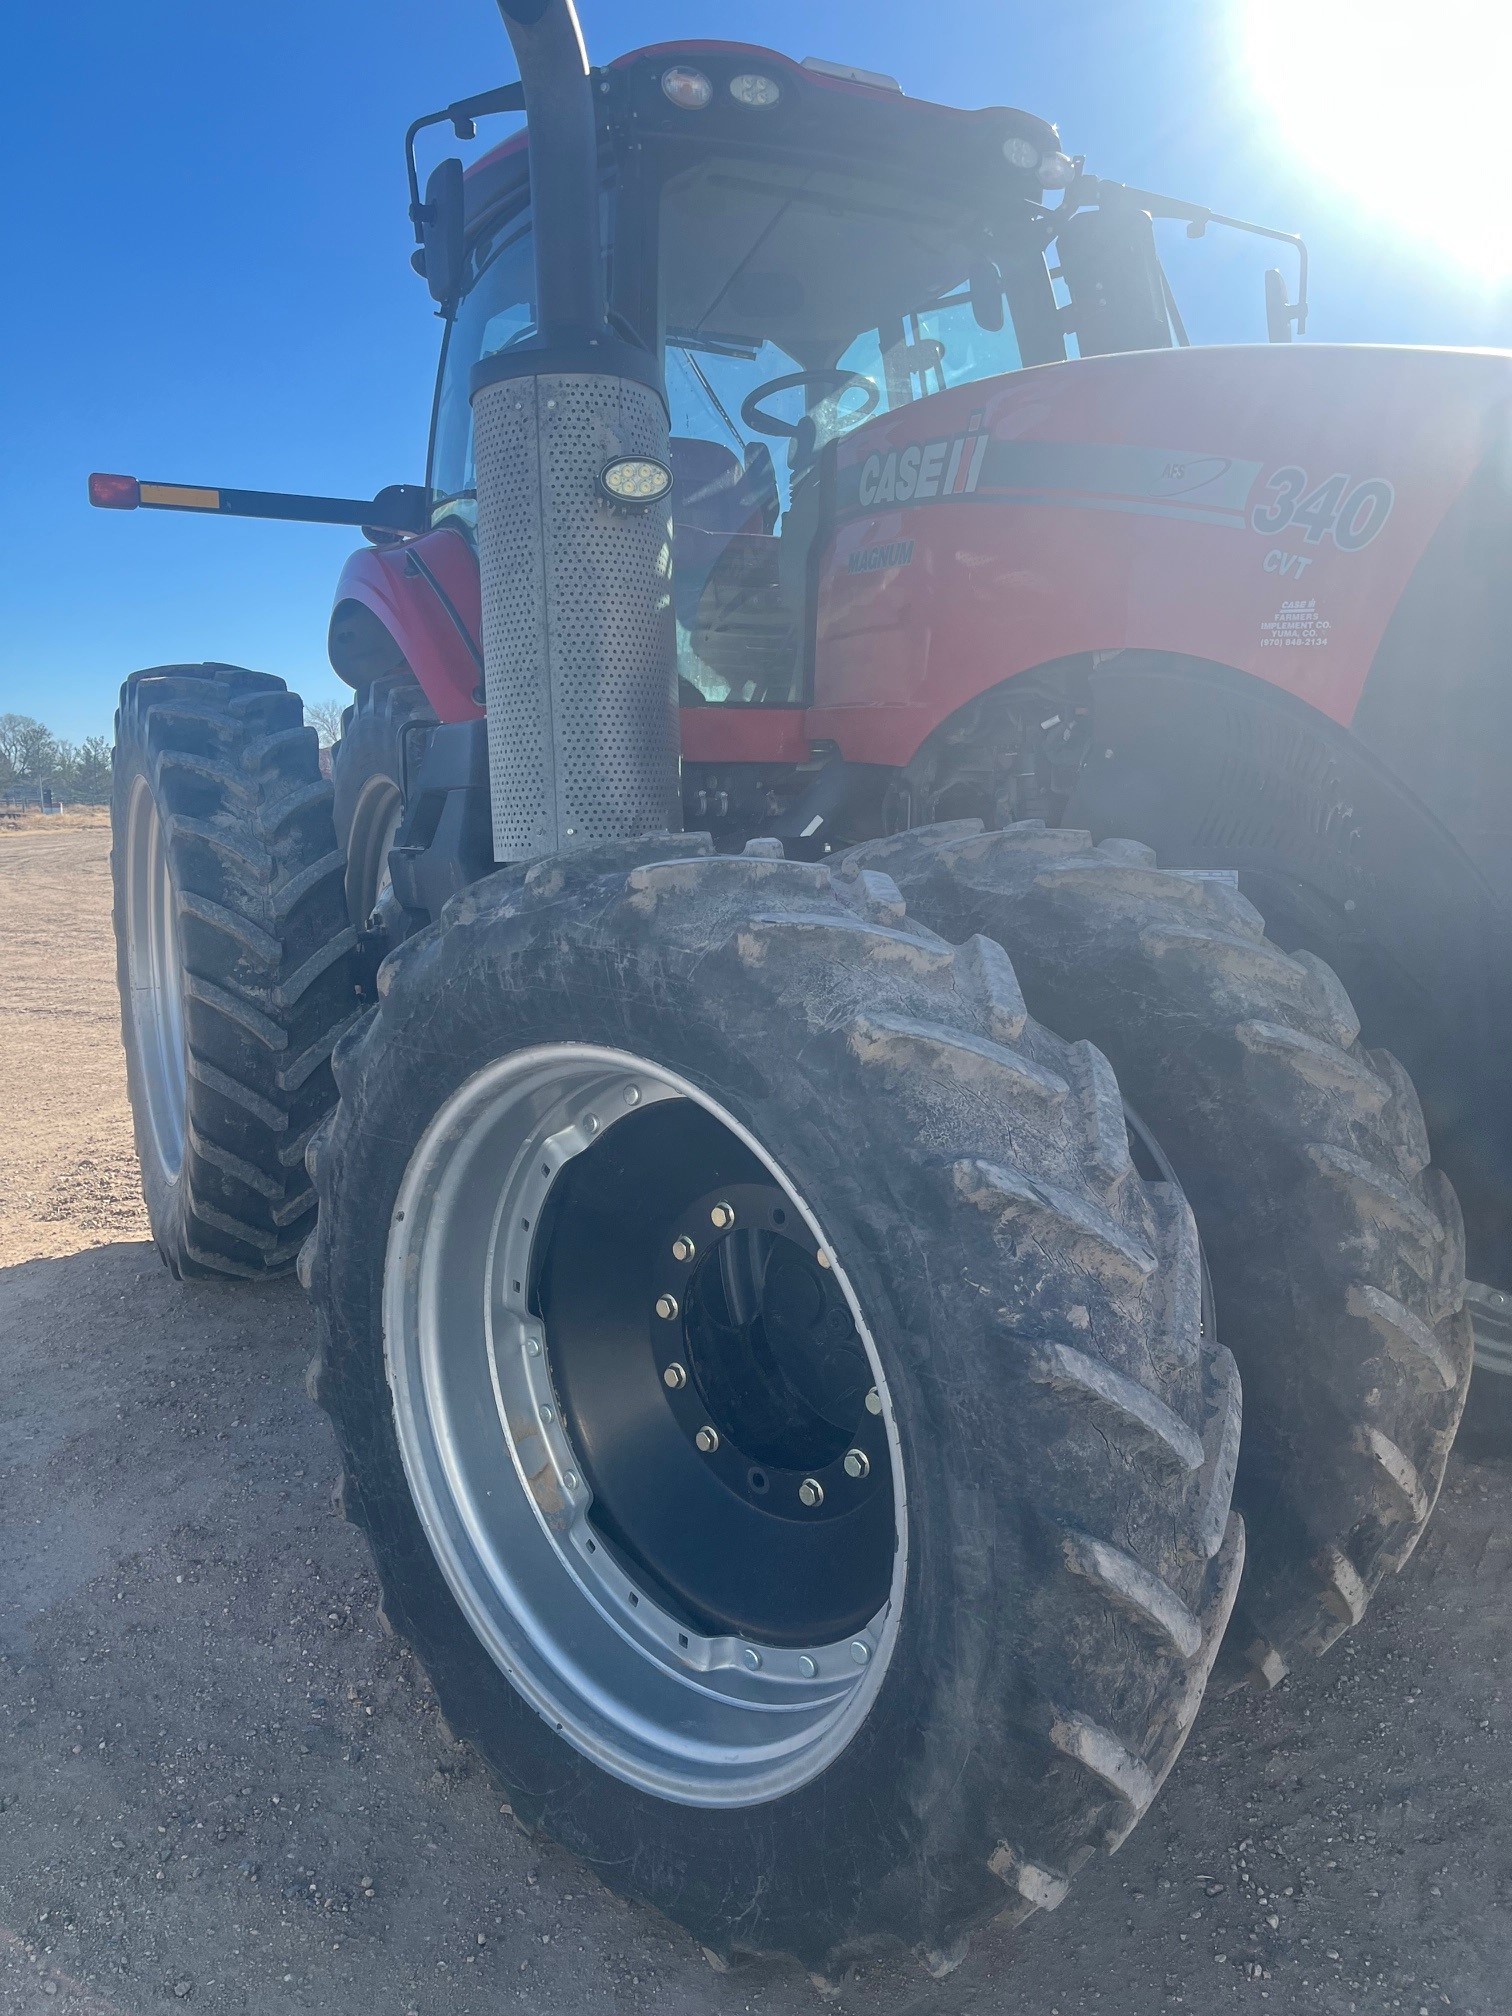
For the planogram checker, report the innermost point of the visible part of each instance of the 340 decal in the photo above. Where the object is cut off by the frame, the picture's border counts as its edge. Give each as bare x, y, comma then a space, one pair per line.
1349, 513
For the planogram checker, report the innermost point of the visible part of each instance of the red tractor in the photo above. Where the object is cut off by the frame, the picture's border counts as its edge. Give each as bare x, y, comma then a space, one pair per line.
881, 788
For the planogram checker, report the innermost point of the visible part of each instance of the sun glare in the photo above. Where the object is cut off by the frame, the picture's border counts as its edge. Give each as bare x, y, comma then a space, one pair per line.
1403, 106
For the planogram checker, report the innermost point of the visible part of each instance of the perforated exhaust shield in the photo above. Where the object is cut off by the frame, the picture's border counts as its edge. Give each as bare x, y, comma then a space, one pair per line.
579, 648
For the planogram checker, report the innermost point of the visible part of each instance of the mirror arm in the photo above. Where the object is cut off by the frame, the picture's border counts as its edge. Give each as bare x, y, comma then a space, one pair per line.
462, 115
1197, 217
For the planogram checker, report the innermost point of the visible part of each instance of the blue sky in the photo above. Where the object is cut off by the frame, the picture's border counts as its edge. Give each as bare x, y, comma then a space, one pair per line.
207, 261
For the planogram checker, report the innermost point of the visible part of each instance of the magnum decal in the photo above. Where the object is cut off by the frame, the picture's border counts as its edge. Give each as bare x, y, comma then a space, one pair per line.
875, 559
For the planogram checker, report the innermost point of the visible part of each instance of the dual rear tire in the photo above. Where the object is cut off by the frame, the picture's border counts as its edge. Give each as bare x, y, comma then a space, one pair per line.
785, 1421
1335, 1245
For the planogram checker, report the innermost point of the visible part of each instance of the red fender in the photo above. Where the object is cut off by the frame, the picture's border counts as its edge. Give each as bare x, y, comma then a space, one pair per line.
388, 614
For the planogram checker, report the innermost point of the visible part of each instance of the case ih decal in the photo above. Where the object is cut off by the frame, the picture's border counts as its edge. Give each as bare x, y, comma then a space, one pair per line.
1066, 475
926, 470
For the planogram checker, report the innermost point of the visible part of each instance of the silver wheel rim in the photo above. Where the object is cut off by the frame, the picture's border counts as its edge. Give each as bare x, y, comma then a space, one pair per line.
156, 980
713, 1721
375, 822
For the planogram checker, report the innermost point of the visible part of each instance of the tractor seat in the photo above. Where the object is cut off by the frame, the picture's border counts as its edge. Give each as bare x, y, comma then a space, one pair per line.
714, 491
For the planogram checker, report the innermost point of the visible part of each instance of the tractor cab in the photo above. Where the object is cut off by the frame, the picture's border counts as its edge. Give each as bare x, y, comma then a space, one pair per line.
803, 251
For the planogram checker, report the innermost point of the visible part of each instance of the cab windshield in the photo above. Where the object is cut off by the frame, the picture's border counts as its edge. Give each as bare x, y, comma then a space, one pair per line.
794, 303
791, 302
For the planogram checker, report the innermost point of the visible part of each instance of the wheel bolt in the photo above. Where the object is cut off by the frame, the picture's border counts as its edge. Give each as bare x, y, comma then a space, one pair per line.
675, 1376
683, 1249
569, 1478
822, 1258
723, 1216
752, 1658
811, 1493
857, 1463
806, 1666
874, 1402
860, 1651
707, 1440
632, 1095
666, 1307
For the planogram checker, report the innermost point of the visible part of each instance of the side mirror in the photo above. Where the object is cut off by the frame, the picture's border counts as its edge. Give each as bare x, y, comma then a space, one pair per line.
1279, 312
441, 249
984, 283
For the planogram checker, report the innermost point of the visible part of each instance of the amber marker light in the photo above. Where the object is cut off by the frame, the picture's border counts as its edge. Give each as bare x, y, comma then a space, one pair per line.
114, 493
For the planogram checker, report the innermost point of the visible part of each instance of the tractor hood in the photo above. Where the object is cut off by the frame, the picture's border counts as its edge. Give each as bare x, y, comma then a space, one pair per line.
1263, 508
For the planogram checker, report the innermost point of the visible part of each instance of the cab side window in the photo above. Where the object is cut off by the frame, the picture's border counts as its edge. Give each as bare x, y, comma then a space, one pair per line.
496, 311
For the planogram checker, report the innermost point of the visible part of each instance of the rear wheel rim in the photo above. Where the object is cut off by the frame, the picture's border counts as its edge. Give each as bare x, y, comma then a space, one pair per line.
523, 1474
156, 980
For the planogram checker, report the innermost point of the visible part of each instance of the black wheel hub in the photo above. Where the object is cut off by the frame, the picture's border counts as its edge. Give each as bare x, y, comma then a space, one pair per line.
712, 1381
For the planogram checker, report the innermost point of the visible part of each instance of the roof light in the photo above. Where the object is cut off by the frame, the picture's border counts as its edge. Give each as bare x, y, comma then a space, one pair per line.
635, 479
689, 90
848, 74
114, 493
750, 89
1056, 171
1019, 151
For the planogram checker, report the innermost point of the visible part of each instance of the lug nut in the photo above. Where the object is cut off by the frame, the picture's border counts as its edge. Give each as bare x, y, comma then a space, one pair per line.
683, 1249
666, 1307
811, 1493
874, 1401
857, 1463
752, 1658
707, 1440
806, 1666
822, 1258
569, 1479
860, 1651
723, 1216
675, 1376
632, 1095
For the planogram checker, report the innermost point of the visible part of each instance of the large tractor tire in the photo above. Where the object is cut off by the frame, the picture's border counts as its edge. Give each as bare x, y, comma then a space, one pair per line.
232, 948
1336, 1250
778, 1411
369, 769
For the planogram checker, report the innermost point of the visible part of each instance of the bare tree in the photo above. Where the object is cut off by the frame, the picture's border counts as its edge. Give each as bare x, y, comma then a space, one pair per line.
324, 716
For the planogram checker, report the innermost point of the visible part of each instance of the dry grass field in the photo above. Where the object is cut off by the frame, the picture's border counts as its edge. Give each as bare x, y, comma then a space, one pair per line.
68, 1173
222, 1787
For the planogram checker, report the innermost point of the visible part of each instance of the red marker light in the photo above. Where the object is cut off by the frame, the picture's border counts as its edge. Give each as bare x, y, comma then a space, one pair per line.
114, 493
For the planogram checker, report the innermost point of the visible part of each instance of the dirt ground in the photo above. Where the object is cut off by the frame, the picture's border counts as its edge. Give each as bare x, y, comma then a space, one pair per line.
221, 1785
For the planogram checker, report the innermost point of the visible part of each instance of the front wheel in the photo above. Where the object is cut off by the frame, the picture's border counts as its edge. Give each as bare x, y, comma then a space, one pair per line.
232, 951
370, 765
778, 1410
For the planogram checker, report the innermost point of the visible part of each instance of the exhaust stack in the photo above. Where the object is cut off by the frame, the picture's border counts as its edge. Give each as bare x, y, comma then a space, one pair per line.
579, 643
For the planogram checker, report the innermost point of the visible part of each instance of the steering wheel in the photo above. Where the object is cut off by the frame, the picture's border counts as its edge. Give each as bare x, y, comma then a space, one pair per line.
828, 383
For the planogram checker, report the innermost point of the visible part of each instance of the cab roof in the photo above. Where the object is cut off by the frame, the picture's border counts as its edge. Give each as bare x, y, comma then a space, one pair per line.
817, 112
